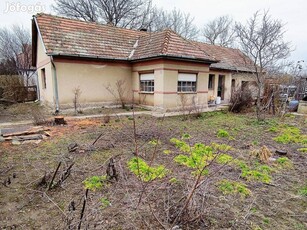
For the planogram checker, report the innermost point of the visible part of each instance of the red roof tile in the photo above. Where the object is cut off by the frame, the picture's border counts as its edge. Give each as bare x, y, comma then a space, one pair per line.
70, 37
229, 58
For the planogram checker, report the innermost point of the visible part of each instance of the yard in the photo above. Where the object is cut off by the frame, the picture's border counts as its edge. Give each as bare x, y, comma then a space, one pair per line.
218, 171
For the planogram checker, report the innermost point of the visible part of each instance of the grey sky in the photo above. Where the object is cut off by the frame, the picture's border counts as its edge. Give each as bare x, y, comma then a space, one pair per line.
292, 13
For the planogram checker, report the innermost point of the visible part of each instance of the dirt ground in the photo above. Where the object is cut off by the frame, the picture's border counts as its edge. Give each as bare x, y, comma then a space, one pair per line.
37, 113
129, 203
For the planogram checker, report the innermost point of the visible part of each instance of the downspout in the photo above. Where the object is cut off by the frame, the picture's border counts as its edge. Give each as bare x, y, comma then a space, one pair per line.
55, 89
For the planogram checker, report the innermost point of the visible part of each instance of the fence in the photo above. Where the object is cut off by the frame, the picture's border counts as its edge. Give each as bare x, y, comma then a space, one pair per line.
19, 93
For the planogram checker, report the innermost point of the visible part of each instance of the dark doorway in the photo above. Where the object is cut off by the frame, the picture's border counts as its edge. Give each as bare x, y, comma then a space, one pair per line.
221, 86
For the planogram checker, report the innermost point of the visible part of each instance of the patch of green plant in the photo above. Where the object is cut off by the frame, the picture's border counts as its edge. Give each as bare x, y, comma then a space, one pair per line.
303, 191
104, 202
199, 156
265, 169
290, 115
291, 134
273, 129
260, 173
302, 150
256, 175
145, 172
284, 162
222, 133
211, 114
233, 187
266, 220
167, 152
255, 142
95, 182
173, 180
224, 159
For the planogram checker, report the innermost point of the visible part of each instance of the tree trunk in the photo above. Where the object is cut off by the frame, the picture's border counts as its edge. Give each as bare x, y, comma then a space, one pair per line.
258, 103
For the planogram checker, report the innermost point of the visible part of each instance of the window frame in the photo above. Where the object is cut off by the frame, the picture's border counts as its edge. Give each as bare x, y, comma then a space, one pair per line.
186, 84
43, 78
147, 85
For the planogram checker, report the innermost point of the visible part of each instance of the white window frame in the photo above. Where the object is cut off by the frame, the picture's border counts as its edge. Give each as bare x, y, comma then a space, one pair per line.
147, 82
187, 83
43, 77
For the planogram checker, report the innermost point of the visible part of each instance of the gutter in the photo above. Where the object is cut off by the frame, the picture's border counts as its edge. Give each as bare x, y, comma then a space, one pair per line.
55, 89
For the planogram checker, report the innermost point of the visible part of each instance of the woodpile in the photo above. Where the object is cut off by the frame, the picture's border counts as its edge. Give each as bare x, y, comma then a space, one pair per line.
32, 135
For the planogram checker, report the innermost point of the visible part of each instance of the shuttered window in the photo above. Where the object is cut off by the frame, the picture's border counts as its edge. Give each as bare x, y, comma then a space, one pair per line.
147, 82
187, 82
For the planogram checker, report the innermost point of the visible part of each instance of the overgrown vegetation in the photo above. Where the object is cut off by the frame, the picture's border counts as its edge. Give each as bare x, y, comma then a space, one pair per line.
161, 173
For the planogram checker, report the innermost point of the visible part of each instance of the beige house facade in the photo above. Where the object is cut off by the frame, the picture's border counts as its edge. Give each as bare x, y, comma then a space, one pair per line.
158, 70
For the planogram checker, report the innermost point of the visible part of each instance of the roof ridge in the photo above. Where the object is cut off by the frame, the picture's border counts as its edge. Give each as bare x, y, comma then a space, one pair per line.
167, 38
88, 22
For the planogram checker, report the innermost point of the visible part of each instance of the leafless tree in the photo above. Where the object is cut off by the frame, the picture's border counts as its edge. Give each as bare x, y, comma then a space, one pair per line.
119, 92
16, 51
176, 20
261, 39
121, 13
220, 31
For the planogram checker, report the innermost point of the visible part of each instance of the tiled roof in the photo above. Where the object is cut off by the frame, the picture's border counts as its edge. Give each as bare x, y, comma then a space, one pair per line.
70, 37
73, 37
229, 58
63, 36
168, 43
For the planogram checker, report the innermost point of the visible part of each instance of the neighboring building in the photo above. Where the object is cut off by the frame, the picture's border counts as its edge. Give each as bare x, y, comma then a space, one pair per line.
157, 67
25, 68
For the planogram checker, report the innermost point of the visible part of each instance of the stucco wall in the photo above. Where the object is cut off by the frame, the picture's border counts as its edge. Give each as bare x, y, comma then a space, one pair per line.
92, 78
43, 62
166, 80
245, 77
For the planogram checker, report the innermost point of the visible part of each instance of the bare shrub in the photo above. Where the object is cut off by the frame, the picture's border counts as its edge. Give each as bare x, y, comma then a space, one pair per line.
240, 100
13, 88
76, 100
119, 92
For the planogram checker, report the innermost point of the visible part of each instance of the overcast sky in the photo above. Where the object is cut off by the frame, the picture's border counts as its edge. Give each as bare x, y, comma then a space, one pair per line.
292, 13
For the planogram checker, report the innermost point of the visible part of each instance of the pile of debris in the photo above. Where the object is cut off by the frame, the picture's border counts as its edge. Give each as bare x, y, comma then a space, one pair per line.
30, 135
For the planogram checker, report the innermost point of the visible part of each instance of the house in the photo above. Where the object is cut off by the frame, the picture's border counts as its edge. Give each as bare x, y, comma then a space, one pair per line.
157, 68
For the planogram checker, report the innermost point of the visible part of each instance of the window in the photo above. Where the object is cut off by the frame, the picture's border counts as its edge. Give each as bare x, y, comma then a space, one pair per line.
233, 83
43, 76
186, 82
211, 81
147, 82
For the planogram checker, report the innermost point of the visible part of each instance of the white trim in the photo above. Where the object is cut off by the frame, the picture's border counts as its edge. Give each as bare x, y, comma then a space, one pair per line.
187, 77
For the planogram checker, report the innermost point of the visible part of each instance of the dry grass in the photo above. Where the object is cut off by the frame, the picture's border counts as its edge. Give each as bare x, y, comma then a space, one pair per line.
117, 206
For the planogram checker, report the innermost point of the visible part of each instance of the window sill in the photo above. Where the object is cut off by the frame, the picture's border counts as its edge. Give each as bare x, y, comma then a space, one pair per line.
186, 92
144, 92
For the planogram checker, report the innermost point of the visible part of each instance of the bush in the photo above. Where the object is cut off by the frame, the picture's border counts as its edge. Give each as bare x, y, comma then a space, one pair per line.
240, 100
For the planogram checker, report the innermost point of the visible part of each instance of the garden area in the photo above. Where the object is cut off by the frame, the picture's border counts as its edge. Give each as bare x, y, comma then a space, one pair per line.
217, 171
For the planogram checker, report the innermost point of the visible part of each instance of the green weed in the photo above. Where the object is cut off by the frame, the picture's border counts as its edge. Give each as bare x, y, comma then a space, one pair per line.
144, 172
104, 202
233, 187
222, 133
284, 162
303, 191
95, 182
